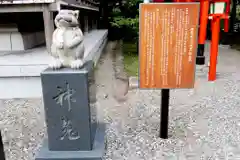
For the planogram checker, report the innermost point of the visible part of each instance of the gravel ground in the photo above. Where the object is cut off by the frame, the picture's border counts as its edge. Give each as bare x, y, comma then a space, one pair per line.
204, 122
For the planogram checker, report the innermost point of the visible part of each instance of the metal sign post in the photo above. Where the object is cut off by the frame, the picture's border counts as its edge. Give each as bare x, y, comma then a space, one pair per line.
2, 156
164, 113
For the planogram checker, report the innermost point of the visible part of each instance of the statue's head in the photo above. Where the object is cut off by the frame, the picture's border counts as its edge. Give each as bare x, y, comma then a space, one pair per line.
67, 18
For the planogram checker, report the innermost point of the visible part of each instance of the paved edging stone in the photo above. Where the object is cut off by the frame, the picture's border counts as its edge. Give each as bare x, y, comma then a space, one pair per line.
122, 82
133, 82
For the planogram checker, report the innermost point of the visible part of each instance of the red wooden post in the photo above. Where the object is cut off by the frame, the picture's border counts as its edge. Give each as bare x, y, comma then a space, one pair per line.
204, 8
203, 21
214, 47
226, 21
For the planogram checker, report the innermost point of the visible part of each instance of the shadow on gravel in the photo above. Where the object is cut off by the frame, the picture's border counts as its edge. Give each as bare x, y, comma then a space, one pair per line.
121, 83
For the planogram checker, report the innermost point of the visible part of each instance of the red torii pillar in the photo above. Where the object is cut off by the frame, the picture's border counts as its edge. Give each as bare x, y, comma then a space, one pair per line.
227, 12
226, 21
204, 9
215, 25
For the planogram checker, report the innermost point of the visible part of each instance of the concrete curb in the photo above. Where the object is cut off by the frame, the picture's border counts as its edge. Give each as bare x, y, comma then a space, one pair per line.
133, 82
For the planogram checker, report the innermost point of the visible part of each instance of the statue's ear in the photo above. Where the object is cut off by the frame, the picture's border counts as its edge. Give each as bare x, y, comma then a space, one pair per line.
76, 13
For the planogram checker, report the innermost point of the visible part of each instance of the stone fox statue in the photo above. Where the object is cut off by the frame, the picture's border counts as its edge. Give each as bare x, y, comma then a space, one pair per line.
67, 41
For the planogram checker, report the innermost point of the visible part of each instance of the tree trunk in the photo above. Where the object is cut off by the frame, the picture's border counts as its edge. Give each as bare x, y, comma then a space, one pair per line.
233, 15
103, 19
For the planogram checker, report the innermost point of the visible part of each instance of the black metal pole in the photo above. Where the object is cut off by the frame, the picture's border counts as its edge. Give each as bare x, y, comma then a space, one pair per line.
200, 59
2, 156
164, 114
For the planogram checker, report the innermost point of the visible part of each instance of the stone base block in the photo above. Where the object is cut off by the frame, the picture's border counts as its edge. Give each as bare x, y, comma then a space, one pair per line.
33, 39
5, 41
95, 154
16, 41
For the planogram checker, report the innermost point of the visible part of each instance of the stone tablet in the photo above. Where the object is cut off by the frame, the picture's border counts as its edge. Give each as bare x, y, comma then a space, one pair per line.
67, 107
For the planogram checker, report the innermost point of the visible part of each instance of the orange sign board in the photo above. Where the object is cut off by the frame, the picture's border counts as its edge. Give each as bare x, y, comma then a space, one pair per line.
168, 44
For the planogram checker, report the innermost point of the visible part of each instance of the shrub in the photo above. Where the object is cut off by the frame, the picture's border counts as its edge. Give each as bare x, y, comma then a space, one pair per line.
124, 20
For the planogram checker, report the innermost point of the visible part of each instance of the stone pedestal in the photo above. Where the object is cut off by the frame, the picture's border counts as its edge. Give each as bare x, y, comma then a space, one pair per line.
73, 130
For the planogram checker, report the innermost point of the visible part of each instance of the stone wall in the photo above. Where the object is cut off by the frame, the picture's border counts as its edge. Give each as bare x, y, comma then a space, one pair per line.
21, 31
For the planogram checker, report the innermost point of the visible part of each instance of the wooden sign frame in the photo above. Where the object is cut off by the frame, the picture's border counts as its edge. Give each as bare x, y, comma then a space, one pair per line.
156, 81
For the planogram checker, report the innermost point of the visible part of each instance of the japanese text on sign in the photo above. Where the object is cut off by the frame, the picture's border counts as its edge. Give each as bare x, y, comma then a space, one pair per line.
168, 45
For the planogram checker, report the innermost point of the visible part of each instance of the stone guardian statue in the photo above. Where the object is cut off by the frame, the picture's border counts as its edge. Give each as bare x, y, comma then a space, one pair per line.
67, 47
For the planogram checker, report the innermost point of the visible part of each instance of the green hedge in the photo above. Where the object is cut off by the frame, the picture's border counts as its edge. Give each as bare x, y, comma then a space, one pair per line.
130, 50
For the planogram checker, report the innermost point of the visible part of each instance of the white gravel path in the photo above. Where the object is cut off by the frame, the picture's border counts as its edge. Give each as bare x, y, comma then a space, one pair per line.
204, 122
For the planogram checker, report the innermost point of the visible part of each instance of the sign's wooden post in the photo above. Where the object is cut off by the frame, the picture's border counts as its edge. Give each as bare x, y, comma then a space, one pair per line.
168, 46
2, 156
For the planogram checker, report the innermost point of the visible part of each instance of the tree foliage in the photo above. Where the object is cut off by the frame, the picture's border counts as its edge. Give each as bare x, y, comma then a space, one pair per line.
125, 18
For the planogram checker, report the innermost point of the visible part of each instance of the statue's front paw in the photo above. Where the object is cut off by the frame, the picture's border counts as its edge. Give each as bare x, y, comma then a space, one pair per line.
61, 45
76, 64
56, 64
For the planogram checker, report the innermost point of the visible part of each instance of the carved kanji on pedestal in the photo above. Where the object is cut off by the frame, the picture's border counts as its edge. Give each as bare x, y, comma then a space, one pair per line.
73, 130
